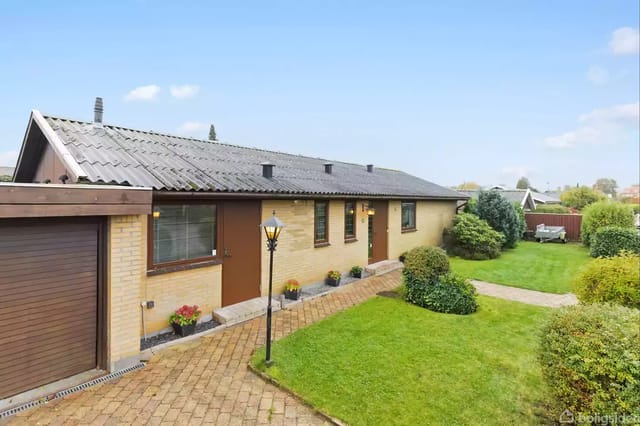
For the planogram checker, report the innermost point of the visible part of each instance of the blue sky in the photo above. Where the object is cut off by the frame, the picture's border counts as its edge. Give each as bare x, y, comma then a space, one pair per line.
448, 91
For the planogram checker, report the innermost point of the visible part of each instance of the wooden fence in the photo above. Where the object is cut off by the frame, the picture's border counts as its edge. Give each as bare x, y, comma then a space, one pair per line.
571, 222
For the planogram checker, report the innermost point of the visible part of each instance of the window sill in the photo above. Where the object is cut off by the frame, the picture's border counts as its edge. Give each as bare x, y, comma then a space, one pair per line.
186, 267
318, 245
350, 240
404, 231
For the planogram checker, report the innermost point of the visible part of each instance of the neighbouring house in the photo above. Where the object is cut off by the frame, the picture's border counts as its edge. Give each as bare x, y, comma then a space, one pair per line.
128, 216
545, 198
523, 197
632, 191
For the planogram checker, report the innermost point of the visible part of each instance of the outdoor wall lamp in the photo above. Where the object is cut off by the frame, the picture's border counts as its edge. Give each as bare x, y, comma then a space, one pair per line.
156, 214
272, 228
371, 211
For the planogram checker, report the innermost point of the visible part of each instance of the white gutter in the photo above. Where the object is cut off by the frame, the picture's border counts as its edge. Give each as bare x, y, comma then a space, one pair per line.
65, 156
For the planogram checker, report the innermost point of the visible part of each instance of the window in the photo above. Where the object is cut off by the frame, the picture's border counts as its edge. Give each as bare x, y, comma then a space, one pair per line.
408, 215
183, 232
321, 231
349, 220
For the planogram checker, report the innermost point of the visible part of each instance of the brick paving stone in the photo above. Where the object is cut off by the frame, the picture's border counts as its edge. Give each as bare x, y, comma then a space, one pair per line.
206, 381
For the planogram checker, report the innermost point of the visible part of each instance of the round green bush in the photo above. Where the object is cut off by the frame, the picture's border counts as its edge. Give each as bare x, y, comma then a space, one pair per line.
604, 213
500, 215
425, 263
451, 295
610, 240
472, 238
590, 358
611, 279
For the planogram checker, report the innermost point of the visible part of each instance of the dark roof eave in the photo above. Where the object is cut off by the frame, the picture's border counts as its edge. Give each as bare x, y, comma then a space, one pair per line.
204, 195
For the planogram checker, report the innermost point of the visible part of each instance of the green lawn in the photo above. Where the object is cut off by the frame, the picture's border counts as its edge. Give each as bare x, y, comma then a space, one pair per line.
388, 362
548, 267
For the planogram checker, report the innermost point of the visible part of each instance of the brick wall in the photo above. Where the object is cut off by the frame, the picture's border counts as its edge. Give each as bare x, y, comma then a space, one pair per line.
125, 260
431, 219
296, 257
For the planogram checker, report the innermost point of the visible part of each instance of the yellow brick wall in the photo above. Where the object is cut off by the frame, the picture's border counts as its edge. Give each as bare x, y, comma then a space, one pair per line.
296, 257
431, 219
126, 261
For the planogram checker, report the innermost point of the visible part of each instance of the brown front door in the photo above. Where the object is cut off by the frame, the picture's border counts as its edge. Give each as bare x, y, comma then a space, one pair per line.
241, 251
48, 301
378, 231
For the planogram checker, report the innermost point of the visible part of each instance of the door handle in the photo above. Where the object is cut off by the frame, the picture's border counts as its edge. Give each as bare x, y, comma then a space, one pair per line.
227, 252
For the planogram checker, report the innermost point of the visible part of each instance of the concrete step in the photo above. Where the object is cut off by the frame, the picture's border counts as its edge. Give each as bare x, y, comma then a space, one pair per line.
245, 310
383, 267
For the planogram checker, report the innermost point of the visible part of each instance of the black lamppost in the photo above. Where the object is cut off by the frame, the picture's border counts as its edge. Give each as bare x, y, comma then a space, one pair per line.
272, 228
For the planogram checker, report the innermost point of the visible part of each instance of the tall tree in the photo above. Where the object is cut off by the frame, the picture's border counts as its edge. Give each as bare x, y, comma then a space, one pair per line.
212, 133
523, 183
580, 197
606, 185
468, 186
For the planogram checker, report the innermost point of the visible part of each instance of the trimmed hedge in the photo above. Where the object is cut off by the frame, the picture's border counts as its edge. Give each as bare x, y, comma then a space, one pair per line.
611, 240
604, 213
551, 208
425, 264
590, 358
473, 238
611, 279
450, 295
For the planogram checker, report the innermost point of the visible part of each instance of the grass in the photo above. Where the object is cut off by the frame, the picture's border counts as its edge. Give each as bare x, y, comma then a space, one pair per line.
388, 362
548, 267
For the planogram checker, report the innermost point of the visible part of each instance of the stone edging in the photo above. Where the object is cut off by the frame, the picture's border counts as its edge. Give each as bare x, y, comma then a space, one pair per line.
297, 396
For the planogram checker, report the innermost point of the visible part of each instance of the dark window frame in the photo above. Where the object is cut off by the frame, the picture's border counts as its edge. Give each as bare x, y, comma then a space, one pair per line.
415, 208
182, 264
321, 242
350, 237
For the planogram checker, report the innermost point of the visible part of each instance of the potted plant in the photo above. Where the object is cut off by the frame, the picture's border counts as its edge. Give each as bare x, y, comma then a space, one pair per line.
356, 272
333, 278
292, 290
184, 320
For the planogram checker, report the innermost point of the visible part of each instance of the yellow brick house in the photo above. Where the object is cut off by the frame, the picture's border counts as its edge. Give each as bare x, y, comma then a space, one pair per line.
201, 242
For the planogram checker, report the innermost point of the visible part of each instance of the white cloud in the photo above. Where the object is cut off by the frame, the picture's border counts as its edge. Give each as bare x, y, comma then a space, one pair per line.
517, 171
185, 91
8, 158
192, 128
604, 125
143, 93
597, 75
625, 41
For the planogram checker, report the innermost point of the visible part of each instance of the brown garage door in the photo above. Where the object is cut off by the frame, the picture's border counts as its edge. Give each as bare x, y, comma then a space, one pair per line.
48, 302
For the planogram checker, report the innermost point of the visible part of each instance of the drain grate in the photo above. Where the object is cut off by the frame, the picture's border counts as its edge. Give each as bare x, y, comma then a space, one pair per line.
69, 391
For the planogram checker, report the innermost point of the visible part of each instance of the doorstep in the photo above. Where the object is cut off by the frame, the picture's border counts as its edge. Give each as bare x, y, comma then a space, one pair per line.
383, 267
244, 311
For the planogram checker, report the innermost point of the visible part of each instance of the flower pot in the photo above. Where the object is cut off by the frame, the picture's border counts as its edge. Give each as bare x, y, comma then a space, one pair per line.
292, 294
332, 282
184, 330
356, 274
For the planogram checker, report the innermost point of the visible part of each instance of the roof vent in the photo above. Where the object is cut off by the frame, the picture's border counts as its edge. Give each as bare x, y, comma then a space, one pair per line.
370, 168
328, 168
98, 109
267, 169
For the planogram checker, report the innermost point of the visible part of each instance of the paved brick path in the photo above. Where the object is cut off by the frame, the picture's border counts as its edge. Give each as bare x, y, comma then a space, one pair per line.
531, 297
206, 380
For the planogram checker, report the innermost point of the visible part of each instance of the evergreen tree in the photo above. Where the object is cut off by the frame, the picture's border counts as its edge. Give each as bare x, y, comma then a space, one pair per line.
212, 133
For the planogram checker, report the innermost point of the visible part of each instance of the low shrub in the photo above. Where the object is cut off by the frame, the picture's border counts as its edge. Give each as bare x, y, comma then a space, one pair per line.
450, 294
590, 358
500, 215
604, 213
611, 279
424, 264
610, 240
473, 238
551, 208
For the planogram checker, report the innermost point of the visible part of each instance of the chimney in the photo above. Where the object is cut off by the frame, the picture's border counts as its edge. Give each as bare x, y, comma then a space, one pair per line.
98, 109
267, 169
328, 168
370, 168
